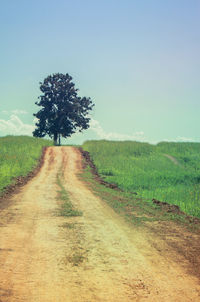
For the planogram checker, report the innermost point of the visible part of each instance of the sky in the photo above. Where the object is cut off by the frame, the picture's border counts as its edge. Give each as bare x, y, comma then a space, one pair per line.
139, 62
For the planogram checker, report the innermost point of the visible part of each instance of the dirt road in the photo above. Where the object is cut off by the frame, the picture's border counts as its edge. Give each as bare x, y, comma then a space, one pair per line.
95, 257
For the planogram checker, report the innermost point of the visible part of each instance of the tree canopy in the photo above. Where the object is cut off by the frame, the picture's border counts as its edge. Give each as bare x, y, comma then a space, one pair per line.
62, 111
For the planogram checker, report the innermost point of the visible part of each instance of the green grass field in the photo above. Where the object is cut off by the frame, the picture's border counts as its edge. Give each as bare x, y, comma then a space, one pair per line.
146, 169
18, 156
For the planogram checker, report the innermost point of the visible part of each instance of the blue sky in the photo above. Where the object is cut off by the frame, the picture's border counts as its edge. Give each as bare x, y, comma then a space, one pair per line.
137, 60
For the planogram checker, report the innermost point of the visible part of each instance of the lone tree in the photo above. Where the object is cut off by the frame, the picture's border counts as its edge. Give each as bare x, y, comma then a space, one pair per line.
63, 112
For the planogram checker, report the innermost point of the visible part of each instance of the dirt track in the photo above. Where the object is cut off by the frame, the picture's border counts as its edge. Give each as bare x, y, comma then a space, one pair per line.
95, 257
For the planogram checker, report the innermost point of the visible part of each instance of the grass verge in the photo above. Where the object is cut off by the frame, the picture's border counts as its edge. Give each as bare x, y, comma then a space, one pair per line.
168, 172
135, 209
19, 155
66, 208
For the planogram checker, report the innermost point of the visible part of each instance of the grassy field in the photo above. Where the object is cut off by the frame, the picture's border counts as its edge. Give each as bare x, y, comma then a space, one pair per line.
149, 171
18, 156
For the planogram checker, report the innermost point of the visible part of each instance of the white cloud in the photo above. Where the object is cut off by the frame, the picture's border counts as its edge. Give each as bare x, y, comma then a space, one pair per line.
96, 127
18, 111
180, 139
35, 120
185, 139
15, 111
15, 126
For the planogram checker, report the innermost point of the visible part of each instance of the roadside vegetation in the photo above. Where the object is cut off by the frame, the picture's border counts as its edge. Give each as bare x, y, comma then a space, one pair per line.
66, 207
169, 172
136, 209
18, 156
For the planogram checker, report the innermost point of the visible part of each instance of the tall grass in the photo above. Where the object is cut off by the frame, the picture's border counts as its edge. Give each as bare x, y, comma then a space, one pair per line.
18, 156
145, 169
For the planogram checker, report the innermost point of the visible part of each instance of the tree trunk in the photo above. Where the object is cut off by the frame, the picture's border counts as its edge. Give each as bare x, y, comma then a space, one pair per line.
59, 139
55, 137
